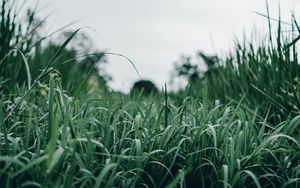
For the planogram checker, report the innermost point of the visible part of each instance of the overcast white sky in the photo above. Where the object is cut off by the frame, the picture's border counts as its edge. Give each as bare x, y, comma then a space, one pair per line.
154, 33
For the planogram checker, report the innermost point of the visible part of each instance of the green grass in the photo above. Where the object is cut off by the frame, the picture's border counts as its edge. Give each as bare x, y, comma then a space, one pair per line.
238, 127
265, 76
104, 140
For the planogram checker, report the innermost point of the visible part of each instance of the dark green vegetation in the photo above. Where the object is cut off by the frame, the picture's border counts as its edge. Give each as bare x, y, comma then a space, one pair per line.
144, 86
237, 125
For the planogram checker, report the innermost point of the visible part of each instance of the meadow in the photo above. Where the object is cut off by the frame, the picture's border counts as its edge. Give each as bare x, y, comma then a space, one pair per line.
61, 126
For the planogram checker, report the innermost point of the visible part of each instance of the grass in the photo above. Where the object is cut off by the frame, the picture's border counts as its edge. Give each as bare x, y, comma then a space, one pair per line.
104, 140
263, 75
57, 133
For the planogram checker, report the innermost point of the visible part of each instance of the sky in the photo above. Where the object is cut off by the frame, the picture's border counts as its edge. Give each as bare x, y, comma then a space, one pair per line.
155, 33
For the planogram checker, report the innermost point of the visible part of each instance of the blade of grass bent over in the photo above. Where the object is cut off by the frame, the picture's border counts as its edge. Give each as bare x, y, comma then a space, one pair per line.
44, 73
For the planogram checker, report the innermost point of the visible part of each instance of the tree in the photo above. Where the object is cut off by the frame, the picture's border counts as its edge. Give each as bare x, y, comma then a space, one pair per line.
145, 86
191, 69
187, 70
211, 62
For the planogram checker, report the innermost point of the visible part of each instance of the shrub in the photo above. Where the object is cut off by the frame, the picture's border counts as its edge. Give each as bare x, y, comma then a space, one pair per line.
144, 86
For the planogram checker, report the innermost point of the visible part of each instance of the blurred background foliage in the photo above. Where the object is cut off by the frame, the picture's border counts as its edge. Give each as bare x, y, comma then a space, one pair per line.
22, 42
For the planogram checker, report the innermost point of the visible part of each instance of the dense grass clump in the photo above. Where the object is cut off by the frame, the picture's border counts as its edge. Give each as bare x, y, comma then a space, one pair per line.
265, 76
58, 128
102, 139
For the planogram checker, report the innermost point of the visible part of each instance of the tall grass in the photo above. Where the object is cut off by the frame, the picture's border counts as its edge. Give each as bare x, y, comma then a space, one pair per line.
98, 138
104, 140
265, 77
15, 38
25, 53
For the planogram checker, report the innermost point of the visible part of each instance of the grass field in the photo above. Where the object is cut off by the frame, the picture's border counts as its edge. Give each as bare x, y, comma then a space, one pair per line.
236, 127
